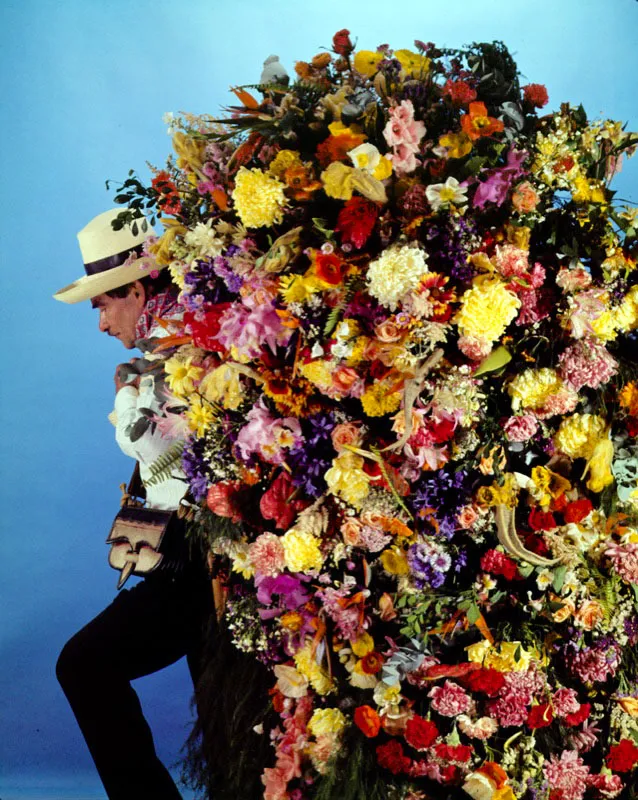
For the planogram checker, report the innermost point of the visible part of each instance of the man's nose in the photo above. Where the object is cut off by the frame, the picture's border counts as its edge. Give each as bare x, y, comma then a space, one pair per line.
103, 324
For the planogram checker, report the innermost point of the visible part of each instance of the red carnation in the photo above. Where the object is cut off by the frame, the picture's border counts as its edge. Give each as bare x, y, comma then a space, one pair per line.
535, 94
623, 756
459, 92
392, 757
330, 268
205, 327
459, 752
420, 733
578, 510
341, 43
541, 520
540, 716
578, 717
356, 221
487, 680
367, 720
499, 564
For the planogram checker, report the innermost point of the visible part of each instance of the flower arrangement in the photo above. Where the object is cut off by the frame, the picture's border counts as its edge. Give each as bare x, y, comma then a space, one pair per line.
408, 372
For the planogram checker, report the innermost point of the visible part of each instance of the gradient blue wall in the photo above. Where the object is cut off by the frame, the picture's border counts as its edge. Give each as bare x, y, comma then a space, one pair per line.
85, 85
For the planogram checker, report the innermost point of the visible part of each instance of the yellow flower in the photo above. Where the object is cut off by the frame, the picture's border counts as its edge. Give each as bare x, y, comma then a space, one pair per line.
377, 401
549, 484
626, 315
394, 562
604, 326
487, 309
259, 198
366, 62
200, 415
347, 479
307, 665
222, 385
413, 64
190, 151
326, 722
337, 180
283, 161
585, 192
502, 657
318, 372
579, 434
301, 551
181, 375
456, 144
532, 388
363, 645
163, 246
383, 169
298, 288
241, 563
599, 465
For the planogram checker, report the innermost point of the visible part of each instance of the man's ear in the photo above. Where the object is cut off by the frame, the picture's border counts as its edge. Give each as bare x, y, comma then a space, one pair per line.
138, 291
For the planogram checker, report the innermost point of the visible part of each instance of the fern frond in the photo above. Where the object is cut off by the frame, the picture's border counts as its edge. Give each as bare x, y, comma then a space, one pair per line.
161, 469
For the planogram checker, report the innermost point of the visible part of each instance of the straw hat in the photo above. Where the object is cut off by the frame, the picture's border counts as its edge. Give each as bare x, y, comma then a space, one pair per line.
105, 253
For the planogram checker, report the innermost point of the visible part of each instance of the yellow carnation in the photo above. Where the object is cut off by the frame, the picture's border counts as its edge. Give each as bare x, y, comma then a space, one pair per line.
377, 401
347, 479
307, 665
532, 388
413, 64
326, 722
223, 386
258, 198
301, 551
487, 309
578, 435
367, 62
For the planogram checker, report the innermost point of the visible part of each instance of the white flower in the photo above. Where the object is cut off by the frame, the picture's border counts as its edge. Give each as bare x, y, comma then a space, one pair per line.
440, 195
204, 241
365, 156
397, 271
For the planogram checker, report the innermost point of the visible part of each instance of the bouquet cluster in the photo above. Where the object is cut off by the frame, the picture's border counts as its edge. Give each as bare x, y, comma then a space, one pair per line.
407, 380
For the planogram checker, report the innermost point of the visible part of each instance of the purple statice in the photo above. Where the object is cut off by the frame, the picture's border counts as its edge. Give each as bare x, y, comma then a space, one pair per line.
194, 466
460, 561
428, 565
446, 493
202, 280
223, 270
312, 457
417, 93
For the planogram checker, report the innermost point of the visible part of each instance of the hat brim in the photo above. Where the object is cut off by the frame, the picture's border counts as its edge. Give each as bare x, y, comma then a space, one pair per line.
89, 286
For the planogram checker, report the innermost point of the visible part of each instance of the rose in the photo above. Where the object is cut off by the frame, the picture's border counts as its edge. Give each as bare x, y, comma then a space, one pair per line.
467, 517
589, 614
343, 380
350, 531
345, 434
341, 43
535, 94
525, 198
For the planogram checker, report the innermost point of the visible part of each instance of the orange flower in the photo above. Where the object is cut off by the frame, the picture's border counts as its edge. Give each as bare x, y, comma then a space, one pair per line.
300, 179
367, 720
336, 148
629, 399
330, 268
372, 663
477, 123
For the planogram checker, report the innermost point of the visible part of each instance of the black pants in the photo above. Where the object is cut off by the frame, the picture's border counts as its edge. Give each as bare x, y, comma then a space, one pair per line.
145, 629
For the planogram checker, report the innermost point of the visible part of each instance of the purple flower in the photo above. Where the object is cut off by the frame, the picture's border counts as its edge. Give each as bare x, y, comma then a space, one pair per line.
292, 594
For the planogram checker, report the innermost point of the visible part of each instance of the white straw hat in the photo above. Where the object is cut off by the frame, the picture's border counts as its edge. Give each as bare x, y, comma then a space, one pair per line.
106, 255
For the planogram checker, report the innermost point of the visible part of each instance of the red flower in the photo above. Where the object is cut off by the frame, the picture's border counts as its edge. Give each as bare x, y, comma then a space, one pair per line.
367, 720
623, 756
540, 716
330, 268
372, 663
356, 221
168, 199
341, 43
535, 94
579, 716
205, 328
222, 499
459, 92
459, 752
274, 503
392, 757
420, 733
499, 564
577, 510
487, 680
541, 520
451, 670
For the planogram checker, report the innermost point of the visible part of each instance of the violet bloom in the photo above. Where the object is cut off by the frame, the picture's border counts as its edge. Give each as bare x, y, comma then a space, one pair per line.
289, 588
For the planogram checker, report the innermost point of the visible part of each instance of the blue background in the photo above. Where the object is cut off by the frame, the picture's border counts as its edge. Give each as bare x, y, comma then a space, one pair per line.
85, 85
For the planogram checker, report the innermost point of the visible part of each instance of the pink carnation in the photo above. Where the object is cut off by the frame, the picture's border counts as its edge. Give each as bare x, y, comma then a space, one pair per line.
624, 558
511, 261
474, 348
569, 775
587, 363
521, 429
607, 786
573, 280
563, 402
266, 554
450, 699
565, 701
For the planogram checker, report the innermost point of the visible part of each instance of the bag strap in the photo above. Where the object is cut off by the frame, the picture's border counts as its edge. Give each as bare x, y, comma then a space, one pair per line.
134, 494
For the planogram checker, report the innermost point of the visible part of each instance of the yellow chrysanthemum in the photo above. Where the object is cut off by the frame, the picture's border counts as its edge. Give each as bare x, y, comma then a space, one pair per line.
532, 388
326, 722
223, 386
367, 62
259, 198
578, 435
307, 665
413, 64
181, 375
377, 400
200, 416
301, 551
283, 161
626, 315
347, 479
486, 311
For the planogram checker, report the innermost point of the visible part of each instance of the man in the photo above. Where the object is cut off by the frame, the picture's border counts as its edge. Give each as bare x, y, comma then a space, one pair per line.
163, 617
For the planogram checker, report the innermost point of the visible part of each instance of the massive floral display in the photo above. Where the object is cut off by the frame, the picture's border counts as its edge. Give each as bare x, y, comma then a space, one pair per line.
407, 379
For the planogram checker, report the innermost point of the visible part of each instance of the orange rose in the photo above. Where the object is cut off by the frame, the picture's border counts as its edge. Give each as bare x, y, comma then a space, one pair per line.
388, 331
345, 434
342, 379
589, 614
565, 612
629, 705
350, 531
467, 517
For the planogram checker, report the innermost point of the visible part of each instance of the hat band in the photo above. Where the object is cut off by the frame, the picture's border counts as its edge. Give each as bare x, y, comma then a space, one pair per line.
110, 262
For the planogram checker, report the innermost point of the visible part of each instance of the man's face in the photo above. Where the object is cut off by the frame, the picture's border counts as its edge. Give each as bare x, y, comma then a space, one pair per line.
119, 315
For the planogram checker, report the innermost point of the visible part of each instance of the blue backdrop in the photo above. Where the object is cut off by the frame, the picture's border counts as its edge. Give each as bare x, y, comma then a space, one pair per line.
85, 88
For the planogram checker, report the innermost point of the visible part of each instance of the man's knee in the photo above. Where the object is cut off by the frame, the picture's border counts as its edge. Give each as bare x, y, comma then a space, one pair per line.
78, 663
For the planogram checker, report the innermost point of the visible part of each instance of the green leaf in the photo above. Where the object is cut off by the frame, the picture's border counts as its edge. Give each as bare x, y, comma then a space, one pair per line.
526, 569
497, 358
473, 614
559, 578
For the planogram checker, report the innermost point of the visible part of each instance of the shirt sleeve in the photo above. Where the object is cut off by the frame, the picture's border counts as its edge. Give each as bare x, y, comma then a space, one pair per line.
134, 432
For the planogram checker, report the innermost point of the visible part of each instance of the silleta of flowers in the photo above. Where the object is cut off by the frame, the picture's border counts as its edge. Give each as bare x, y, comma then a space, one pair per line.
407, 377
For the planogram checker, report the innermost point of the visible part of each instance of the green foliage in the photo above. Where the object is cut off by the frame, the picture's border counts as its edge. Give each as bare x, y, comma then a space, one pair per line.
161, 469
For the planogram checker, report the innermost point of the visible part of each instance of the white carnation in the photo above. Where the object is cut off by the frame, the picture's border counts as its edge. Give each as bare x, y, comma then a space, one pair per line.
396, 272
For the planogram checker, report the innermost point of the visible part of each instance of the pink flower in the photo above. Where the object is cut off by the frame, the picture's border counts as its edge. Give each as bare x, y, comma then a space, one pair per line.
266, 554
266, 436
449, 700
474, 348
587, 363
565, 701
248, 330
511, 261
521, 429
573, 280
624, 558
403, 134
607, 786
567, 774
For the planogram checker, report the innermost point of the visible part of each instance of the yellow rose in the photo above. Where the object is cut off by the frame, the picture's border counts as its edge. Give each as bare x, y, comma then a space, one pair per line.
283, 161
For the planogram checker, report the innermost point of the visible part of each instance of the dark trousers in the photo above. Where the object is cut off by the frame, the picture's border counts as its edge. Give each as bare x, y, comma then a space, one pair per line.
145, 629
